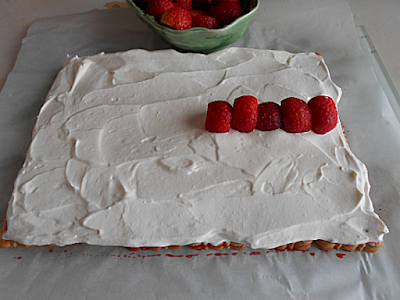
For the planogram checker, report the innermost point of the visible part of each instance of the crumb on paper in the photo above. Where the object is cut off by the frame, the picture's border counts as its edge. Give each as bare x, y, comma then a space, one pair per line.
116, 4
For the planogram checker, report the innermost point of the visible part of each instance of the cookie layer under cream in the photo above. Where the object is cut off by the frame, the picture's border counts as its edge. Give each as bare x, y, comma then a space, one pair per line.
120, 157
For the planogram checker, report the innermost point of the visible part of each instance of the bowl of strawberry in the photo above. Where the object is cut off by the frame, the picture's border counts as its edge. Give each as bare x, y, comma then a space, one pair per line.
196, 25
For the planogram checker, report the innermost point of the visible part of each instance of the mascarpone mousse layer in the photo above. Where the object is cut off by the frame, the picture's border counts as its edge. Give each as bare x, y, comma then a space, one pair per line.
119, 157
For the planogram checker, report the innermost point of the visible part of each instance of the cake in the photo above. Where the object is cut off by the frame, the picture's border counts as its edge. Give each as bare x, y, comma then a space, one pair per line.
120, 157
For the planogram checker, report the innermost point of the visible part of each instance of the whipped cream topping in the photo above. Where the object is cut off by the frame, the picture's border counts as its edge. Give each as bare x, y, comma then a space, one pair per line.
120, 157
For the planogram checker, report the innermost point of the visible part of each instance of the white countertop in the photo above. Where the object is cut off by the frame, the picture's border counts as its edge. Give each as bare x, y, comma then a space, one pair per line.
380, 18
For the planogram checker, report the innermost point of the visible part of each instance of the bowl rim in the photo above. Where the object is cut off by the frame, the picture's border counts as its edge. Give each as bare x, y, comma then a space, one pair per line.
154, 23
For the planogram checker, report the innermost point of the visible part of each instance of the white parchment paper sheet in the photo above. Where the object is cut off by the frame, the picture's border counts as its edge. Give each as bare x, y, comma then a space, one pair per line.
88, 272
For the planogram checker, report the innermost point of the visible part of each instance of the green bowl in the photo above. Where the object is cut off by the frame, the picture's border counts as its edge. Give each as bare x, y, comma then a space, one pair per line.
198, 39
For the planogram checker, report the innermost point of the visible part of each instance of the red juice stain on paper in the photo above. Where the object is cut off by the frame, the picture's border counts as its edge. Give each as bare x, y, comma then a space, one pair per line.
255, 253
312, 254
51, 250
235, 253
209, 254
220, 254
153, 255
171, 255
340, 255
191, 255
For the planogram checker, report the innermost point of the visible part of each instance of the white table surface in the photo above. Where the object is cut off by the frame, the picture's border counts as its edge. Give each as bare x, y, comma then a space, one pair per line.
380, 18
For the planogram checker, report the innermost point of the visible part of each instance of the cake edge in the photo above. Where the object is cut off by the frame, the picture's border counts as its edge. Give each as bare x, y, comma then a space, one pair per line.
323, 245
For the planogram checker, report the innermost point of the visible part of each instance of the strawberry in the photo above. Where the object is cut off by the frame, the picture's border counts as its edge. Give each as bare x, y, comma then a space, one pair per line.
226, 12
200, 18
296, 115
219, 116
204, 21
198, 12
324, 114
177, 18
158, 7
185, 4
202, 4
244, 115
216, 2
269, 116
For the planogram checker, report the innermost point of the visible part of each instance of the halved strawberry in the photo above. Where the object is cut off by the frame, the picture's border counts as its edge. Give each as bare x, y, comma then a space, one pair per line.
296, 115
244, 116
324, 114
177, 18
219, 116
269, 116
158, 7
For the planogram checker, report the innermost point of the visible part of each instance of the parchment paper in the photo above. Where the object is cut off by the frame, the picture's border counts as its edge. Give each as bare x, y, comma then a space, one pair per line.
89, 272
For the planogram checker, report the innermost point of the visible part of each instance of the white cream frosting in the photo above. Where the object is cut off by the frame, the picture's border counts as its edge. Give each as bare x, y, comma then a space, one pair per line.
119, 156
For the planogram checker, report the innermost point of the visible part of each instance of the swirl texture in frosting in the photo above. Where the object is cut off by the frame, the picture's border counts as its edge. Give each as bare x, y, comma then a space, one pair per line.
120, 157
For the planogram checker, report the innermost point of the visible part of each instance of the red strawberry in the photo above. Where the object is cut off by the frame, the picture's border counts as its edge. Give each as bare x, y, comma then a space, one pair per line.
200, 18
185, 4
244, 116
226, 12
324, 114
198, 12
216, 2
269, 116
177, 18
204, 21
202, 4
219, 116
296, 115
158, 7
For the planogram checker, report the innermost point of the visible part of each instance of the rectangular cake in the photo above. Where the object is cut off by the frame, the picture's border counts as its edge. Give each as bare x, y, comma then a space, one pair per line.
120, 157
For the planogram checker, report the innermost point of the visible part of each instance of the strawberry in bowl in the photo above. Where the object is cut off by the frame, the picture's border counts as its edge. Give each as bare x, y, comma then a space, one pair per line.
213, 24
